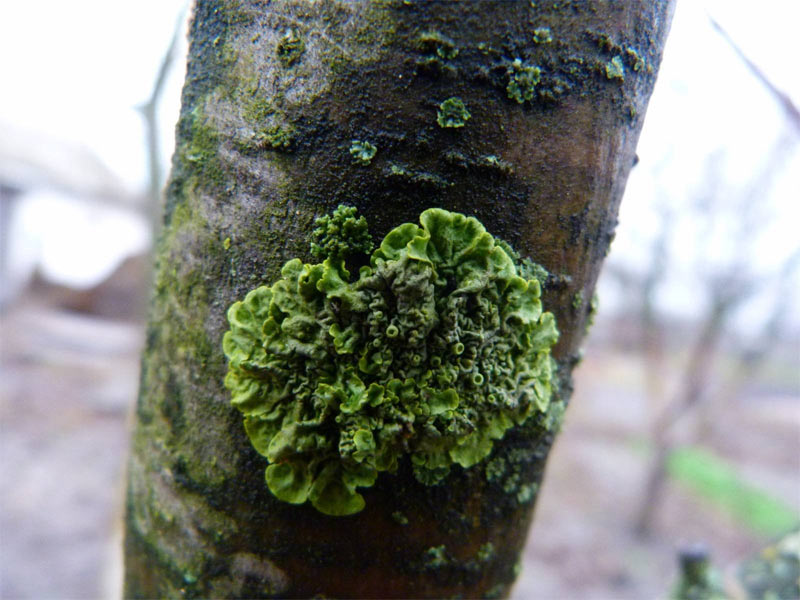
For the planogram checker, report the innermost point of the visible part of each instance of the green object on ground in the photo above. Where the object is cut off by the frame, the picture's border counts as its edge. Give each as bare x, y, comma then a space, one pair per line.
717, 481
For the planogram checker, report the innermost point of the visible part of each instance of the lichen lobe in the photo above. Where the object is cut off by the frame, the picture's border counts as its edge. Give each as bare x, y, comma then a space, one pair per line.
433, 351
452, 113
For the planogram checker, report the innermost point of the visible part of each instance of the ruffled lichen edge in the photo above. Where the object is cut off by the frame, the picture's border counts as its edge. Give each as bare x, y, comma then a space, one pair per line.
434, 351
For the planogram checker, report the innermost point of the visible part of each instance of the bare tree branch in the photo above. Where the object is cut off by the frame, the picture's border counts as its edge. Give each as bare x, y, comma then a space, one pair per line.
790, 110
148, 111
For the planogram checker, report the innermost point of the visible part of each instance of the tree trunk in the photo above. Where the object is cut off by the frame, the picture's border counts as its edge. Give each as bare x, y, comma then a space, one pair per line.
275, 95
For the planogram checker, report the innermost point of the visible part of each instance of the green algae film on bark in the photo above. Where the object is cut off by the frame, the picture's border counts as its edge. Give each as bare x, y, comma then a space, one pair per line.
275, 96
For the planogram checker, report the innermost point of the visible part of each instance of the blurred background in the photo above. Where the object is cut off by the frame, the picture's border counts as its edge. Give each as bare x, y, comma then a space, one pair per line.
685, 424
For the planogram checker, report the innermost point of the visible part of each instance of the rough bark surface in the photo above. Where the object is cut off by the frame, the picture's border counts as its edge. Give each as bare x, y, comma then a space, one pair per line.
275, 93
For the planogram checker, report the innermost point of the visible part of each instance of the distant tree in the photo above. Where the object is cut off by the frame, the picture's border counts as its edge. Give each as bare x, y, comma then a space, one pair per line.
741, 218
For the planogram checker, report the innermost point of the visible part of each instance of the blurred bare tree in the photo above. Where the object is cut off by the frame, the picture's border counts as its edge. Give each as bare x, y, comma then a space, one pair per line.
149, 112
703, 387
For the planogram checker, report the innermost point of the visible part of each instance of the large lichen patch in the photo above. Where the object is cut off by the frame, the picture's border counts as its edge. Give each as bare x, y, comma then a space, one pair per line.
432, 352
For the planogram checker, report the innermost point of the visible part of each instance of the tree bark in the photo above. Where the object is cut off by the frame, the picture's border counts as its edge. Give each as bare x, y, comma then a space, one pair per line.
274, 96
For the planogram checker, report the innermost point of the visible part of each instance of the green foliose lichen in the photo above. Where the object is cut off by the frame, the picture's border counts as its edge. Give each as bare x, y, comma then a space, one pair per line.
435, 43
542, 35
432, 352
522, 81
615, 69
636, 60
436, 557
452, 113
486, 552
362, 152
340, 235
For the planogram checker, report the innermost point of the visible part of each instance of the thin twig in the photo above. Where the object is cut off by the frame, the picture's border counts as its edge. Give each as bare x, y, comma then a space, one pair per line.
789, 108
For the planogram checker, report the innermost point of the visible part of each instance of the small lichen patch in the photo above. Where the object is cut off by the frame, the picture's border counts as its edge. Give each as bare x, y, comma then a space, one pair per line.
486, 552
509, 471
522, 81
526, 492
542, 35
420, 179
274, 138
593, 306
290, 48
437, 52
494, 162
340, 235
432, 352
615, 69
203, 142
604, 41
554, 417
577, 300
362, 152
499, 589
452, 113
436, 43
517, 569
487, 162
400, 518
436, 557
636, 61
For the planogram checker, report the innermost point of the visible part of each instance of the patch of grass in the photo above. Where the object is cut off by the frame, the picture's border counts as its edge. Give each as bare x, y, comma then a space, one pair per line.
718, 482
